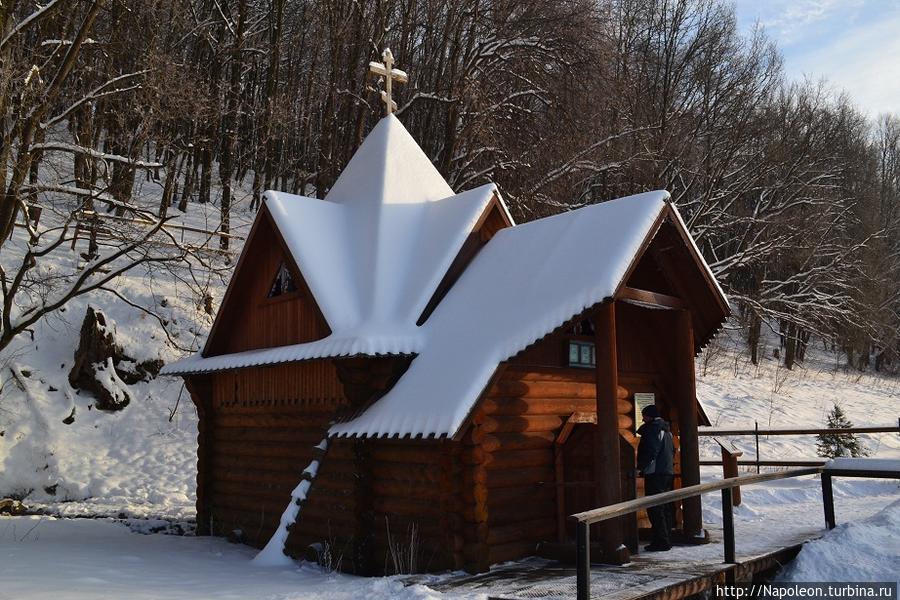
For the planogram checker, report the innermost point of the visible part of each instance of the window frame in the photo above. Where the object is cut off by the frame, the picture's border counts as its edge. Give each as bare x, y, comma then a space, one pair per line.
283, 296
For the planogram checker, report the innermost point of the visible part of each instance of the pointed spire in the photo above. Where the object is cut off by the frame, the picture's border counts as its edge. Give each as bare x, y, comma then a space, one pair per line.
389, 168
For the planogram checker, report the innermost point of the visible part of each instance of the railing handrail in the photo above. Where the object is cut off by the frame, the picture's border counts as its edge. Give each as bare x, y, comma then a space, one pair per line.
629, 506
800, 430
811, 462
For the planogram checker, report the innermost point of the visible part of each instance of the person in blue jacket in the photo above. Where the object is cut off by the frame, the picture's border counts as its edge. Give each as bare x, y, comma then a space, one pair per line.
655, 462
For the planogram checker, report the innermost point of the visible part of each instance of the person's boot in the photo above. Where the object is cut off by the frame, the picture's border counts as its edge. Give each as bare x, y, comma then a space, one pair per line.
657, 547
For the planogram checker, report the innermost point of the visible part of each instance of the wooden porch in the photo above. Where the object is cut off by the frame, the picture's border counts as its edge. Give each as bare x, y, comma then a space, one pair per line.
680, 573
751, 552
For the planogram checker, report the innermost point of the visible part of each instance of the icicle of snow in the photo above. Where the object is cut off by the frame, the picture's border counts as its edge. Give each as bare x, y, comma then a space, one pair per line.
273, 554
312, 469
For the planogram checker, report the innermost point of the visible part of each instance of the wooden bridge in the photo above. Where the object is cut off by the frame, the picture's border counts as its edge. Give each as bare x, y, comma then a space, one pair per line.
681, 572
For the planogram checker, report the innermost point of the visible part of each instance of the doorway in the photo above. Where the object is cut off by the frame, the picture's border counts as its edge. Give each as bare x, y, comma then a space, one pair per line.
576, 479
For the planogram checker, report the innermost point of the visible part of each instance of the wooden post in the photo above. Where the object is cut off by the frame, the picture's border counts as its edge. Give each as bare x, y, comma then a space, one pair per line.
365, 512
200, 390
756, 431
560, 493
475, 530
583, 561
730, 469
728, 525
453, 479
687, 422
607, 463
828, 501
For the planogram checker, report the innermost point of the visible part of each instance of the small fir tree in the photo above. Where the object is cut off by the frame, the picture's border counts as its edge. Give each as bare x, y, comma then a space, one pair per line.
832, 445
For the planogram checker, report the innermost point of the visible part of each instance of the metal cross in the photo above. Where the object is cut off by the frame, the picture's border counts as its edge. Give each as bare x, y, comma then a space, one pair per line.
390, 74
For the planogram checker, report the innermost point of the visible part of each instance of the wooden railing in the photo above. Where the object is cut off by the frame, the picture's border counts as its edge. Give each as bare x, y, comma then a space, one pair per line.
837, 468
588, 518
756, 432
812, 462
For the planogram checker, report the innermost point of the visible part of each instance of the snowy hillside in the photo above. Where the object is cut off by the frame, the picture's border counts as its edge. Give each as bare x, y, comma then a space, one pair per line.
736, 394
56, 450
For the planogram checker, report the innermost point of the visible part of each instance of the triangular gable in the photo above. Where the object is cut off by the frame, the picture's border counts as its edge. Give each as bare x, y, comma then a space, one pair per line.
528, 281
374, 273
682, 274
317, 235
249, 317
373, 252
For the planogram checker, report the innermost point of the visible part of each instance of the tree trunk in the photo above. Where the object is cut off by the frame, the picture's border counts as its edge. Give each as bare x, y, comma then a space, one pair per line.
226, 164
789, 335
753, 336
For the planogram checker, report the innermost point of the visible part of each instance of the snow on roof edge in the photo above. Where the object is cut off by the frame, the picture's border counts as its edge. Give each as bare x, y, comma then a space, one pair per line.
504, 207
329, 347
706, 266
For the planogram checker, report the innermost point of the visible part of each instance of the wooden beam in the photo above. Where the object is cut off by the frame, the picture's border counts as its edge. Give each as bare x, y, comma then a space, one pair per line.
652, 299
598, 515
801, 431
200, 389
686, 403
607, 464
364, 517
560, 477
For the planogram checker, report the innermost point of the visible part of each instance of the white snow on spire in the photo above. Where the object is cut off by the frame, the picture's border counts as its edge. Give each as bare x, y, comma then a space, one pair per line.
372, 252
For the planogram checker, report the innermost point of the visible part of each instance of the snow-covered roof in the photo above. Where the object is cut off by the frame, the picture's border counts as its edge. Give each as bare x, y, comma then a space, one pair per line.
356, 343
526, 282
373, 263
372, 252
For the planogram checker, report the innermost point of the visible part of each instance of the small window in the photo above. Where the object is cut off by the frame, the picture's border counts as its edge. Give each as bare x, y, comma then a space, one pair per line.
283, 284
582, 354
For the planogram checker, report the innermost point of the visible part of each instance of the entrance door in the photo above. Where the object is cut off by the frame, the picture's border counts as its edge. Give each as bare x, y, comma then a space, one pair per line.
578, 479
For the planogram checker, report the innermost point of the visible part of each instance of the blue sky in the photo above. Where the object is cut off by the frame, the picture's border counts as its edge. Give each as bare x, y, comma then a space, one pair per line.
854, 44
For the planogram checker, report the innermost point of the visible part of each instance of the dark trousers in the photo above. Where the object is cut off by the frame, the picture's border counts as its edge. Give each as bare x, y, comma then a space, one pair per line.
660, 517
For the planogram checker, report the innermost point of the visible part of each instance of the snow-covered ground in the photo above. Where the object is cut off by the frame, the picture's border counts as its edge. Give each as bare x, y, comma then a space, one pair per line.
860, 550
138, 462
736, 394
94, 559
141, 462
44, 557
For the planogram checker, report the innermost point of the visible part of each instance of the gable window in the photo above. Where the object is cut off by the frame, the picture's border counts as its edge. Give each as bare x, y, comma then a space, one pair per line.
580, 346
283, 284
582, 354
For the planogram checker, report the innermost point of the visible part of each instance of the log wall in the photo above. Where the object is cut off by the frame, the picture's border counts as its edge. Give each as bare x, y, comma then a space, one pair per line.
330, 513
260, 427
488, 497
511, 492
377, 499
512, 444
414, 500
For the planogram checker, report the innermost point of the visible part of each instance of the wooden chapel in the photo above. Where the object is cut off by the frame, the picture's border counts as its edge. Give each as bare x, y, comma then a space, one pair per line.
477, 381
